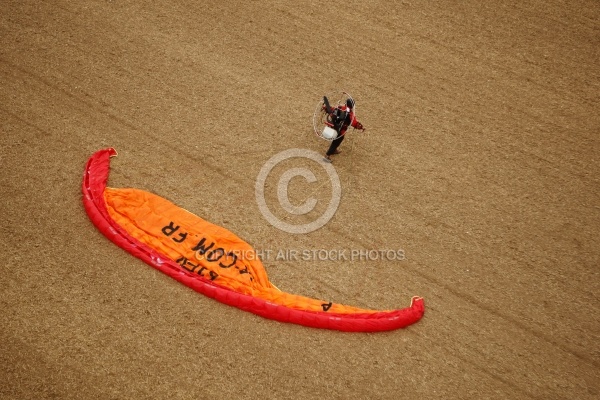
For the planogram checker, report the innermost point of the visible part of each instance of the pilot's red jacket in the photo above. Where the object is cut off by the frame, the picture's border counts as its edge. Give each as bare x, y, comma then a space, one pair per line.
349, 121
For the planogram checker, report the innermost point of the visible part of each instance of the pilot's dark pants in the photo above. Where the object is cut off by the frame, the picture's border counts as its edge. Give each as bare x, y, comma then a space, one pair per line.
334, 145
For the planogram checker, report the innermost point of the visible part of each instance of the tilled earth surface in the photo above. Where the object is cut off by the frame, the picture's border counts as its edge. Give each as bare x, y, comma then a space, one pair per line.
479, 165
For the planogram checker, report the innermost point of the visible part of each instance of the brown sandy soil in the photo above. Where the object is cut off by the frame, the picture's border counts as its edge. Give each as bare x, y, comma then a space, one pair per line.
481, 162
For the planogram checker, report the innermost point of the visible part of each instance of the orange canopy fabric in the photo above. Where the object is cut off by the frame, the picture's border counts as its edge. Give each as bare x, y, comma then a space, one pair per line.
202, 247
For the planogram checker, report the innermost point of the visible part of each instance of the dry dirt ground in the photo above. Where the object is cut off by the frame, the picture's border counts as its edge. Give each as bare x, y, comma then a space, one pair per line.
480, 162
